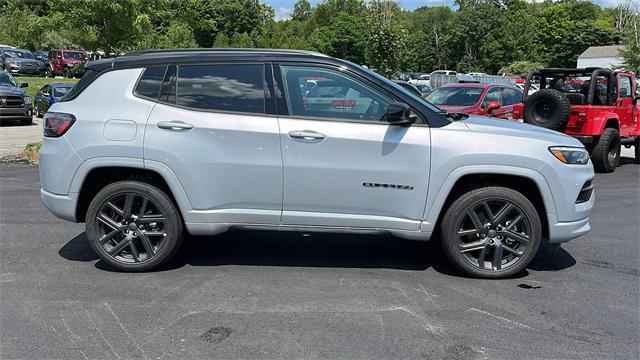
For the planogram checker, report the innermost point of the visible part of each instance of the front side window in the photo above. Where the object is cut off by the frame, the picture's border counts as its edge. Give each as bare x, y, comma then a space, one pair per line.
325, 93
151, 82
624, 87
223, 87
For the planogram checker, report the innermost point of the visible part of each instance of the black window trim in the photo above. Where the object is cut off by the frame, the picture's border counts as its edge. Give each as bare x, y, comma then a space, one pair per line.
135, 87
265, 83
284, 113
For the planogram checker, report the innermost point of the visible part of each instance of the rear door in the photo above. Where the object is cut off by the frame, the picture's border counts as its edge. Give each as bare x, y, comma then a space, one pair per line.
625, 105
344, 166
210, 128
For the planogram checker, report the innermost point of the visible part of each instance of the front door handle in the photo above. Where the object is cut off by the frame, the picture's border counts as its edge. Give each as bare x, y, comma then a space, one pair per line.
306, 135
174, 125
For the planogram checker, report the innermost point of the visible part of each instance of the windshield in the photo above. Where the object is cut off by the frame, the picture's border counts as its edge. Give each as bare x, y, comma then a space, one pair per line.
391, 83
74, 55
7, 80
456, 96
19, 54
424, 88
61, 91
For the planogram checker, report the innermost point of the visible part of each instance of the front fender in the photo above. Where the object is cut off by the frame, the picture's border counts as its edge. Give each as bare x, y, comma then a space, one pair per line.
436, 200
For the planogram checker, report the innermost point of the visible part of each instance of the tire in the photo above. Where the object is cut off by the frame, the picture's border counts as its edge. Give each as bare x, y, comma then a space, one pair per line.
548, 108
66, 73
636, 145
48, 73
494, 232
605, 155
37, 110
125, 249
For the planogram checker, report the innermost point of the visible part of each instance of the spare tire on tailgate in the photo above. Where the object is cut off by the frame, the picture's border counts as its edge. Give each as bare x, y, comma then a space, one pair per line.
548, 108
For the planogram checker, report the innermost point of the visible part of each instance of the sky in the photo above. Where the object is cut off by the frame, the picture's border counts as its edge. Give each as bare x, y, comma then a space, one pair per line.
283, 8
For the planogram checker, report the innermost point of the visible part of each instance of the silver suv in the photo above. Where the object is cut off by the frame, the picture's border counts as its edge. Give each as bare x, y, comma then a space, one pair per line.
154, 144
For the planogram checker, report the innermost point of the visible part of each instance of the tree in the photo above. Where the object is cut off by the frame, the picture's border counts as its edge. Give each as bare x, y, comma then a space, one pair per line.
301, 10
521, 67
385, 37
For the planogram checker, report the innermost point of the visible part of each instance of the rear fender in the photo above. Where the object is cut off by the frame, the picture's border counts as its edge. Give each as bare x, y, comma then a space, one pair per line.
591, 122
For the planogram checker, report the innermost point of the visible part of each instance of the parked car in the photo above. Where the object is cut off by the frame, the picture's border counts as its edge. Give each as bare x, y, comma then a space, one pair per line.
15, 104
204, 141
532, 88
444, 72
63, 61
425, 89
42, 55
20, 61
409, 87
49, 95
604, 114
477, 74
478, 99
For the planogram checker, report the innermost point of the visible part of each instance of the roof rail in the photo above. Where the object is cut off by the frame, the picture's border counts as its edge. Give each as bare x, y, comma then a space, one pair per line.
222, 50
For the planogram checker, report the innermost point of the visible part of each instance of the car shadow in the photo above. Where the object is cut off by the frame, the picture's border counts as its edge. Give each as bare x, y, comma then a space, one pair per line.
16, 123
326, 250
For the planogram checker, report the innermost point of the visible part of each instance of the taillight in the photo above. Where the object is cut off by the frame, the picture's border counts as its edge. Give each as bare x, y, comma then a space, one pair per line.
343, 104
56, 124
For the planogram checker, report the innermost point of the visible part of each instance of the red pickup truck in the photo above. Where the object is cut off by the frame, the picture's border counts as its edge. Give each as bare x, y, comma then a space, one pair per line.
603, 112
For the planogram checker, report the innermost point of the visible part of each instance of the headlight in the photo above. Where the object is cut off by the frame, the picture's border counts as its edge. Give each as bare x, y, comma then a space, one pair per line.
27, 100
570, 155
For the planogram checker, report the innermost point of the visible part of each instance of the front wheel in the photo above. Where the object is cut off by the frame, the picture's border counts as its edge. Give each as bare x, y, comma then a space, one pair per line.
491, 232
133, 226
48, 72
605, 155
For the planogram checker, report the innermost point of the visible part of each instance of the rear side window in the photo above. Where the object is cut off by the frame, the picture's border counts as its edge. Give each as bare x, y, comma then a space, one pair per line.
150, 82
238, 88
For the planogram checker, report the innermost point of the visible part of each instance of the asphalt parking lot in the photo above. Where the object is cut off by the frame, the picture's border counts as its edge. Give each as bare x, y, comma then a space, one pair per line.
289, 295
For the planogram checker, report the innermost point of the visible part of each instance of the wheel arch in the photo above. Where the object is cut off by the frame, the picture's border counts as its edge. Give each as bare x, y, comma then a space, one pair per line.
90, 180
528, 182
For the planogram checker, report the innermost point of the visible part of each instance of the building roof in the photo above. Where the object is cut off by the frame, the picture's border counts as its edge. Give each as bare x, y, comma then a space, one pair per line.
601, 52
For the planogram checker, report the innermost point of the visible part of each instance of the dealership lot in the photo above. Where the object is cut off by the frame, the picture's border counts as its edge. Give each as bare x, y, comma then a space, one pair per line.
292, 295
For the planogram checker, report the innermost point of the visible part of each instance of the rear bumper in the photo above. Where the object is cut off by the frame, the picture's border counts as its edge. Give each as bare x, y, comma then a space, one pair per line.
62, 206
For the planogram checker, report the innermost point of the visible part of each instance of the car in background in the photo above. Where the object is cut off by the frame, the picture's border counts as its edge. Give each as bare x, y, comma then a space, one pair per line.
20, 61
477, 74
49, 95
42, 55
532, 89
334, 96
444, 72
409, 87
15, 104
63, 61
478, 99
425, 89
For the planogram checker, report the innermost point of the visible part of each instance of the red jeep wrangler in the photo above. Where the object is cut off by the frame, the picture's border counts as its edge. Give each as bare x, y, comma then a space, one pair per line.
595, 105
62, 61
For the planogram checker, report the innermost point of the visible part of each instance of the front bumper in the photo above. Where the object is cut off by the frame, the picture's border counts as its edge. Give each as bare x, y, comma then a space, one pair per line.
16, 113
560, 232
27, 70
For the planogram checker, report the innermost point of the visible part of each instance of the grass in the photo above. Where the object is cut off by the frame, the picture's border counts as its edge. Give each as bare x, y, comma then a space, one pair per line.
36, 82
30, 152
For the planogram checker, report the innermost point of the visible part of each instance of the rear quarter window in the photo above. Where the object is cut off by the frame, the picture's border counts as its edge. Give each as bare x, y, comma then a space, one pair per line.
150, 82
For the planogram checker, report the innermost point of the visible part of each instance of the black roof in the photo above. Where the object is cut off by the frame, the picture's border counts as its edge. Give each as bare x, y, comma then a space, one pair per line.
164, 56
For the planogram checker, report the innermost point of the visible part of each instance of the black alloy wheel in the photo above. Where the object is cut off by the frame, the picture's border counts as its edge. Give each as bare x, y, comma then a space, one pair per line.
133, 226
491, 232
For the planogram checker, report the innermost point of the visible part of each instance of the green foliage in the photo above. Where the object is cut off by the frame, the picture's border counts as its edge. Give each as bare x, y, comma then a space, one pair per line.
478, 35
521, 67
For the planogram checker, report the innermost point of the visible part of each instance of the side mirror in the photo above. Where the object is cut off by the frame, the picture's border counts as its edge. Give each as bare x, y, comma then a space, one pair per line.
494, 105
24, 85
399, 113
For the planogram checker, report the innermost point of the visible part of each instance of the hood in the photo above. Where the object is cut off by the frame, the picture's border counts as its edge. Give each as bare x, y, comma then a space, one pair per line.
11, 90
513, 128
457, 108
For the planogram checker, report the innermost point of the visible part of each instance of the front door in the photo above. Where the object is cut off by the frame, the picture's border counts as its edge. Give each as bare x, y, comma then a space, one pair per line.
344, 166
211, 130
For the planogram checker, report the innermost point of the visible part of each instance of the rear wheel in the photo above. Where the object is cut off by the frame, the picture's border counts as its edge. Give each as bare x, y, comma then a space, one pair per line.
133, 226
491, 232
605, 155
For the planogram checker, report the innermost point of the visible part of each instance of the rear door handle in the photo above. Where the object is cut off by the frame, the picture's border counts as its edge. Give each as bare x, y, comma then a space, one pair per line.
306, 135
174, 125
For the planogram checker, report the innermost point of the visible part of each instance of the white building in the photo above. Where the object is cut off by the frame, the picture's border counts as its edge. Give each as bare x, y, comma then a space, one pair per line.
601, 56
